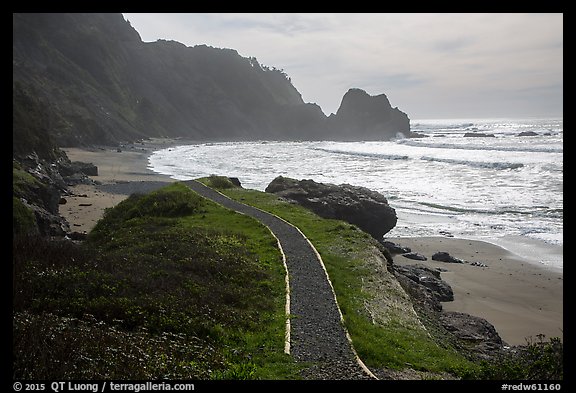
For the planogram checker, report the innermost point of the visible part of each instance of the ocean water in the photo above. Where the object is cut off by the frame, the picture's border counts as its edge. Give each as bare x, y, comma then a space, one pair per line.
506, 189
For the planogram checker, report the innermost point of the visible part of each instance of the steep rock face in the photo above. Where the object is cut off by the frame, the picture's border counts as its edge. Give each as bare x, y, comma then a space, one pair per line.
31, 122
367, 209
108, 86
76, 64
366, 117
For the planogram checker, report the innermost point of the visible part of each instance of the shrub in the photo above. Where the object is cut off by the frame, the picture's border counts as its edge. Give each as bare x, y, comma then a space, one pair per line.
172, 201
47, 346
166, 203
220, 182
538, 360
175, 200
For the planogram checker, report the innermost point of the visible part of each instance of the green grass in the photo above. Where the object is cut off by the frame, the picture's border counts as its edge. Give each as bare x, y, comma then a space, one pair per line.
23, 220
167, 285
170, 285
394, 342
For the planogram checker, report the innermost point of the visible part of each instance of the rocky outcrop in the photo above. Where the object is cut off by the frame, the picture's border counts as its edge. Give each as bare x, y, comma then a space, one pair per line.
480, 334
367, 209
365, 117
424, 285
427, 290
39, 184
474, 335
38, 187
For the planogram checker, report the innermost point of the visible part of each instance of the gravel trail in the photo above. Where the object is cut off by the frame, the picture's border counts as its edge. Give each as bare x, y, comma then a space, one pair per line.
317, 334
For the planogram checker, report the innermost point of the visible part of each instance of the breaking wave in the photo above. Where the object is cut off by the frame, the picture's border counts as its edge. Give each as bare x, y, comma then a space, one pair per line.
477, 164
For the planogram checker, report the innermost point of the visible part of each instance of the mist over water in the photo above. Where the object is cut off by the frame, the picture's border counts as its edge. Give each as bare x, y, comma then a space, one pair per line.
507, 189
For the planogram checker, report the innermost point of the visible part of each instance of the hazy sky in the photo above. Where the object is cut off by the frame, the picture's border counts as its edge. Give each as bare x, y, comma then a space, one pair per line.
429, 65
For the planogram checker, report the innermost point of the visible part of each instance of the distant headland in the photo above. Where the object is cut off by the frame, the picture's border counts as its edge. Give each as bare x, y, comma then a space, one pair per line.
99, 83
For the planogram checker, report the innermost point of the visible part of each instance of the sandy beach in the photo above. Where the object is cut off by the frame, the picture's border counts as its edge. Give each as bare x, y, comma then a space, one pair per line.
86, 206
520, 298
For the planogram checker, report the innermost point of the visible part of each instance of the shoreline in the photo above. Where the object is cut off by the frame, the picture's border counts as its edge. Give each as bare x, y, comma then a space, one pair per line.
520, 298
87, 203
538, 252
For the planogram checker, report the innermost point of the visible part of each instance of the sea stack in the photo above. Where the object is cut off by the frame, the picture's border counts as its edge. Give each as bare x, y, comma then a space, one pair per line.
365, 117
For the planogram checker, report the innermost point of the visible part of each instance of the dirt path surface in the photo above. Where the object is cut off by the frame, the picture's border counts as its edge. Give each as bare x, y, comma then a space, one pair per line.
316, 334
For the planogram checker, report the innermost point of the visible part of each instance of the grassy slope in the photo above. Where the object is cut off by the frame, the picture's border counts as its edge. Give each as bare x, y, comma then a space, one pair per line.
168, 285
380, 319
172, 285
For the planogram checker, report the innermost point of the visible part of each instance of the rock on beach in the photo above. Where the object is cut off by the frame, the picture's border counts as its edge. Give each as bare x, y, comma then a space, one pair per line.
367, 209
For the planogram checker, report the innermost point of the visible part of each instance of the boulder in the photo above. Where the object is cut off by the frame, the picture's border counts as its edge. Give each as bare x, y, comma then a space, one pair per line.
478, 135
443, 256
528, 133
77, 167
367, 209
77, 235
86, 168
235, 181
415, 256
395, 248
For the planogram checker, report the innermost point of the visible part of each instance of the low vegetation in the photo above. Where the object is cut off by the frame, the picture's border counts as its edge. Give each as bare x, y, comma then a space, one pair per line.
167, 285
540, 359
22, 181
391, 338
387, 338
170, 285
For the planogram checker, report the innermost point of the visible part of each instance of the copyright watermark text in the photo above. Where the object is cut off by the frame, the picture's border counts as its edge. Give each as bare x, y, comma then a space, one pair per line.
101, 387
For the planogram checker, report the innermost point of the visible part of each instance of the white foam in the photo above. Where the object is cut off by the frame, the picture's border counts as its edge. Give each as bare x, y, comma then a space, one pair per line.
543, 254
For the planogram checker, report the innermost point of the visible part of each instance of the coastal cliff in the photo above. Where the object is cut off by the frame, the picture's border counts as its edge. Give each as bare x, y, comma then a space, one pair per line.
104, 85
